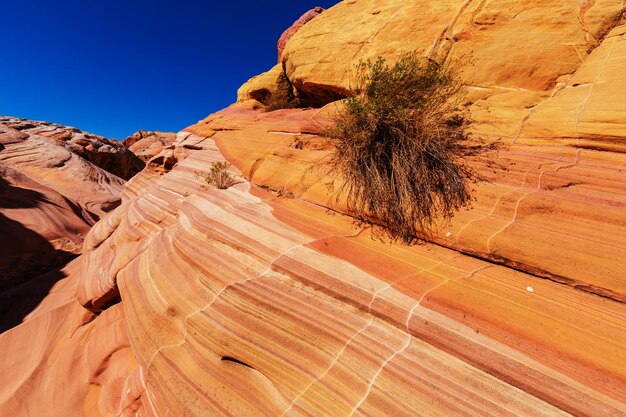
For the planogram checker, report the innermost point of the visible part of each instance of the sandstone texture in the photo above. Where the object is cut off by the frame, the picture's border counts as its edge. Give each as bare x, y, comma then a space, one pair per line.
262, 87
148, 144
87, 169
241, 302
287, 34
521, 47
265, 299
55, 182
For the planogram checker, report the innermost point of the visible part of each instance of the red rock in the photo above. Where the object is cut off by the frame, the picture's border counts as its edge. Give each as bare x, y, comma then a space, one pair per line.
50, 195
288, 33
146, 144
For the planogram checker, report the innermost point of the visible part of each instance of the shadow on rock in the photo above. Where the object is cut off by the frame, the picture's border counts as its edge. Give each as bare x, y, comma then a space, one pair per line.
29, 264
18, 302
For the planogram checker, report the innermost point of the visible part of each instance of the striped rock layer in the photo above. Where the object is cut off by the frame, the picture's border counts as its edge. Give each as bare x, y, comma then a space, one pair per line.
265, 299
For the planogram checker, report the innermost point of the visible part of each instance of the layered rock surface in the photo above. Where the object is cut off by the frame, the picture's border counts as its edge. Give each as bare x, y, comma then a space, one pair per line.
148, 144
288, 34
521, 47
55, 182
87, 169
264, 299
242, 303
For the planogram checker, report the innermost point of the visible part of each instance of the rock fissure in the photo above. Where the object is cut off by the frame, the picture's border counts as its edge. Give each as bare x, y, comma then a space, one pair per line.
415, 274
377, 374
218, 294
583, 7
426, 293
515, 211
330, 367
581, 106
446, 35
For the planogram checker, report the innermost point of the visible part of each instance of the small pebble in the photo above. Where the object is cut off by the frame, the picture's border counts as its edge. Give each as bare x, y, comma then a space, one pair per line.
448, 234
530, 289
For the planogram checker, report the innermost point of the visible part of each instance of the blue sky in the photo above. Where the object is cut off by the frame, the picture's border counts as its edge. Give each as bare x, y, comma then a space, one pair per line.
112, 67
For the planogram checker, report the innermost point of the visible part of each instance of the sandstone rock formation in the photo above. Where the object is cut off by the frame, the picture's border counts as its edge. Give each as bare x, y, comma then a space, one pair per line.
34, 219
147, 144
239, 302
274, 82
86, 169
287, 34
522, 48
261, 87
266, 300
55, 182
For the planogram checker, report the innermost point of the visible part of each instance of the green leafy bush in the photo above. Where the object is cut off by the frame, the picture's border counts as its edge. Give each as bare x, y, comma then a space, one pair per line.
399, 144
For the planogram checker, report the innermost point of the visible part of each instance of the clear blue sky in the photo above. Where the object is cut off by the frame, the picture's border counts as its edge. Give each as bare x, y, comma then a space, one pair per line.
112, 67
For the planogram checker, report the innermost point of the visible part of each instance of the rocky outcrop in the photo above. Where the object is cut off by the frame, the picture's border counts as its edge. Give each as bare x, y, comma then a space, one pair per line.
148, 144
287, 34
552, 132
262, 87
86, 169
527, 45
265, 299
110, 155
273, 87
520, 49
54, 184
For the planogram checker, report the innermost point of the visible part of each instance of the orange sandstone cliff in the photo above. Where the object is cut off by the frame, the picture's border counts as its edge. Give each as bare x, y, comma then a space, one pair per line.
266, 300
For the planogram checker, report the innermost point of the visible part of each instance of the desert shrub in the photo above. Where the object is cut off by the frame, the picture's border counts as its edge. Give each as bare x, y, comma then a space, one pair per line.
219, 176
280, 99
398, 146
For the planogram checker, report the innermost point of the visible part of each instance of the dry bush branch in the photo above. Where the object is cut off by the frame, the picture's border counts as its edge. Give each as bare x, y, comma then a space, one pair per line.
218, 176
400, 147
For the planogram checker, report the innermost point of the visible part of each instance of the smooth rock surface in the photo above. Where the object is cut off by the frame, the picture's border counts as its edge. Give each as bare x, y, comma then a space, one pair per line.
499, 45
289, 32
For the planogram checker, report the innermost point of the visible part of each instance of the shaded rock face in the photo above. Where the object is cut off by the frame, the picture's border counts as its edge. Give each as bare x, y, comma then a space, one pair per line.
35, 220
260, 301
55, 182
147, 144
